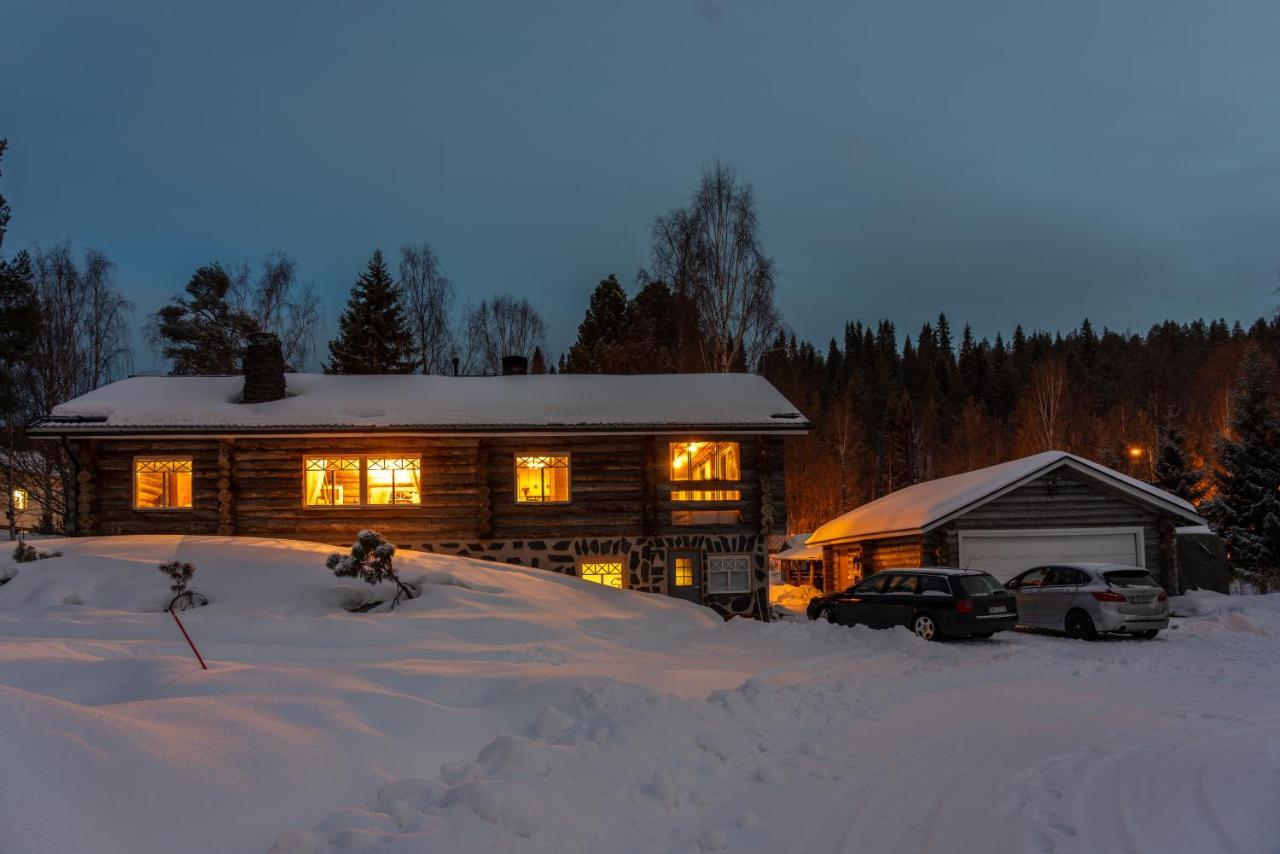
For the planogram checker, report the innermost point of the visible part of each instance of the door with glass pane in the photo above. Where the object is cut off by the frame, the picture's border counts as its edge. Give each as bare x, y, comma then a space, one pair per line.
684, 575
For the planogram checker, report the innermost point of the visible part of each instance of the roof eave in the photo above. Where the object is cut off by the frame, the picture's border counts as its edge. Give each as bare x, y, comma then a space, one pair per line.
875, 535
54, 429
1065, 462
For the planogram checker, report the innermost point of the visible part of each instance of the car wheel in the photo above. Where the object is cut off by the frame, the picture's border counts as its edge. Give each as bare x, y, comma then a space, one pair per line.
925, 627
1080, 625
826, 614
1149, 634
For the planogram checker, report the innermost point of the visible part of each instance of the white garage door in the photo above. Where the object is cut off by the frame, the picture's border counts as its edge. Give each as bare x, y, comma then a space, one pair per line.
1006, 553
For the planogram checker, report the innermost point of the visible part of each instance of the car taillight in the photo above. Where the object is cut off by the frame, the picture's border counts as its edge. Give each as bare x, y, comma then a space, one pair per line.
1162, 596
964, 606
1108, 596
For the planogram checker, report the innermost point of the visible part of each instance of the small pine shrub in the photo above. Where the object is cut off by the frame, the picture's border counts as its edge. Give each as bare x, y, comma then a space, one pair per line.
26, 553
370, 560
180, 573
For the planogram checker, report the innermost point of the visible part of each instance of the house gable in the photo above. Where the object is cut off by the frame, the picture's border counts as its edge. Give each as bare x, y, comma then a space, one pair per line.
1065, 471
1066, 497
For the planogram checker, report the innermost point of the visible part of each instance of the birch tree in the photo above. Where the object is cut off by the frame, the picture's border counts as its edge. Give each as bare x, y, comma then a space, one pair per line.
428, 300
501, 326
711, 252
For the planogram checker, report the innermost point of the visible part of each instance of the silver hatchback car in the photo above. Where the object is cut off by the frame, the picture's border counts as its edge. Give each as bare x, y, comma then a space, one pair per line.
1085, 599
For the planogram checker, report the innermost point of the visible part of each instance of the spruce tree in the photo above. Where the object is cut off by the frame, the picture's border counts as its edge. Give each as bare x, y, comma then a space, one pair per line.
373, 336
599, 349
19, 328
538, 362
652, 339
1174, 472
19, 315
1246, 508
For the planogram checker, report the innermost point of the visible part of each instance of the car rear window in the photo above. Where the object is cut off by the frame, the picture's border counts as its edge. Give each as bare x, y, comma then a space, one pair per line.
935, 584
1129, 578
978, 585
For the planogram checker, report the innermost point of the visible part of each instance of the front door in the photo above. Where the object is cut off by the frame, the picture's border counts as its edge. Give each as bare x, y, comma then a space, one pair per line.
684, 575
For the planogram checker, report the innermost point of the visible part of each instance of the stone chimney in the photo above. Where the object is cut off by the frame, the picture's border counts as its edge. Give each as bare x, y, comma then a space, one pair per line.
263, 369
514, 366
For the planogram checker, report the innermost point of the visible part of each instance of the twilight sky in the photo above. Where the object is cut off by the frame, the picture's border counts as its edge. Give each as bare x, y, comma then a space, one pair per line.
1003, 161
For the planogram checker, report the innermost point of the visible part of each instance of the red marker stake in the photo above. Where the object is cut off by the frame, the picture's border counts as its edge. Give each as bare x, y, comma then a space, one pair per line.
182, 628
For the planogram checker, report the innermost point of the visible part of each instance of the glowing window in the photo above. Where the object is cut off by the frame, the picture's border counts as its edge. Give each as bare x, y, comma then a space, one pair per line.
332, 481
607, 572
542, 478
393, 480
729, 573
684, 572
20, 500
705, 461
705, 495
162, 483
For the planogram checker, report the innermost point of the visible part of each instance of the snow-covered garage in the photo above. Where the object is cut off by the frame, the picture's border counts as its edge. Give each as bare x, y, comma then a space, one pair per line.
1047, 508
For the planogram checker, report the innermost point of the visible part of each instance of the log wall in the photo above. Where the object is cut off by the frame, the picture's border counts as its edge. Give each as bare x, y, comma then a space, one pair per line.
620, 487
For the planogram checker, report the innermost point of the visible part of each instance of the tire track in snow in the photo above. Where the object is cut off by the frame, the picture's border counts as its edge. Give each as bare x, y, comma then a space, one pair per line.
1134, 785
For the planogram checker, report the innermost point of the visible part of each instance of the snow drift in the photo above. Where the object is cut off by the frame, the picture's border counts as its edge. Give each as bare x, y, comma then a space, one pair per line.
514, 709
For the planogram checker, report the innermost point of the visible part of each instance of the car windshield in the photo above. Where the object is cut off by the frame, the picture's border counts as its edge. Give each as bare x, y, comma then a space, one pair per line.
1129, 578
978, 585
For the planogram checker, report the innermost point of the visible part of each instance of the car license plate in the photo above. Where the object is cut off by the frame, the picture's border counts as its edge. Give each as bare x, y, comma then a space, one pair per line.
997, 609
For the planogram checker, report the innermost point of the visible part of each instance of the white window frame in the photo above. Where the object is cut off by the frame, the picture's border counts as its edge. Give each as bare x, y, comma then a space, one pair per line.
729, 589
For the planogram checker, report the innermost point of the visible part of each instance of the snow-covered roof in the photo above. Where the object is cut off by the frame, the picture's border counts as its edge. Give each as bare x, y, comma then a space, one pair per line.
926, 505
797, 548
322, 402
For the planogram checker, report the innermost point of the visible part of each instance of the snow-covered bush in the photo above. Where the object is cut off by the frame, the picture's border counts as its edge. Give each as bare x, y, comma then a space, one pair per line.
370, 559
26, 553
180, 573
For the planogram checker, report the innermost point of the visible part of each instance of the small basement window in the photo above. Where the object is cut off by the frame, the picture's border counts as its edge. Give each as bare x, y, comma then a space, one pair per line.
21, 501
162, 483
728, 574
606, 571
542, 478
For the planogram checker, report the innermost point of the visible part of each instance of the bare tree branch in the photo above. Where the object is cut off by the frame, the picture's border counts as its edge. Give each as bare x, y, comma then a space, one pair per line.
428, 300
501, 326
711, 253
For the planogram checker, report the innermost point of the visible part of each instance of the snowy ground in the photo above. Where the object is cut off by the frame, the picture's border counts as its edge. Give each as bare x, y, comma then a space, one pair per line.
518, 711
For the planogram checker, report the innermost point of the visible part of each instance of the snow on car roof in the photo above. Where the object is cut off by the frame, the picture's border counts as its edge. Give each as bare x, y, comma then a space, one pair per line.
411, 401
920, 507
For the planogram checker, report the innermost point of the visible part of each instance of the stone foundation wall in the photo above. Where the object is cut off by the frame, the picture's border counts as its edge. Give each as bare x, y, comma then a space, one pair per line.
644, 561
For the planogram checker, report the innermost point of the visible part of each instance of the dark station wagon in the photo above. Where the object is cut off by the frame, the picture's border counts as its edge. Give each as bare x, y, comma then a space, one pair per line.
933, 603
